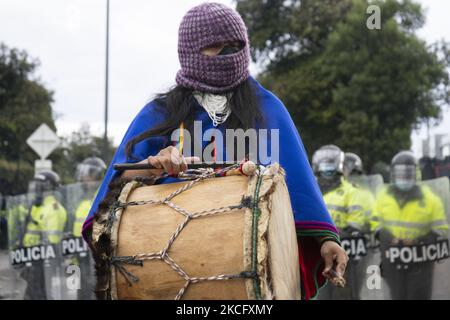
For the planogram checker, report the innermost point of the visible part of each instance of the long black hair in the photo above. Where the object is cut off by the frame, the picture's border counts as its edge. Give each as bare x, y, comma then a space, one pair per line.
177, 106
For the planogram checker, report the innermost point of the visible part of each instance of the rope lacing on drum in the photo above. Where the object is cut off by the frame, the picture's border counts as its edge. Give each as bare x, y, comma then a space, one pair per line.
129, 277
246, 202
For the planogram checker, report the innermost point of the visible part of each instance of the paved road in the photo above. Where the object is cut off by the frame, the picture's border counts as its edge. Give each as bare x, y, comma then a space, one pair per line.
11, 285
441, 281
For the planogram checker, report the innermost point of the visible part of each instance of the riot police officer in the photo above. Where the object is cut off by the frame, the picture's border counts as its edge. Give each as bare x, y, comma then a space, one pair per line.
341, 199
44, 225
91, 170
89, 173
353, 170
407, 214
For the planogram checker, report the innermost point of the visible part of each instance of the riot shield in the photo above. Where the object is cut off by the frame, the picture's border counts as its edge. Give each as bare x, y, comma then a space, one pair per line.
369, 182
54, 223
441, 279
412, 228
361, 250
8, 278
35, 226
48, 259
17, 209
356, 241
78, 264
3, 225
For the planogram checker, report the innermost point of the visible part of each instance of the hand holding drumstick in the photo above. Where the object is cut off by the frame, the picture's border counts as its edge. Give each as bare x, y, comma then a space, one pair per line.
167, 160
335, 262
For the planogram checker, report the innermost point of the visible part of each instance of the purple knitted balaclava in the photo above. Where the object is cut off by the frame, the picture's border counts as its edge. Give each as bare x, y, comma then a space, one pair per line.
203, 26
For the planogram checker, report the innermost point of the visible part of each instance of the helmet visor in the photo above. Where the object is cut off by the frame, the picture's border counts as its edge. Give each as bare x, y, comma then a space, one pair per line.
35, 187
404, 176
327, 166
87, 172
327, 160
404, 172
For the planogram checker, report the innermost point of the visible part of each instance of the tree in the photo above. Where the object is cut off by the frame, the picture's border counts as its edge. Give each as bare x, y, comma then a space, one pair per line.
79, 146
24, 104
364, 90
284, 31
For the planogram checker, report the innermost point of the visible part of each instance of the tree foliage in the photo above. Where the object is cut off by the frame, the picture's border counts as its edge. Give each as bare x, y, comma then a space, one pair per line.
80, 145
24, 105
364, 90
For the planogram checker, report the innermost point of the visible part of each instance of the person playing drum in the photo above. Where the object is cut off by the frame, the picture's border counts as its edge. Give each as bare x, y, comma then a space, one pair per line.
215, 93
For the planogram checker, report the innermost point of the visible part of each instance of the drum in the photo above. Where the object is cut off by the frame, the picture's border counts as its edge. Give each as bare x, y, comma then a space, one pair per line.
228, 237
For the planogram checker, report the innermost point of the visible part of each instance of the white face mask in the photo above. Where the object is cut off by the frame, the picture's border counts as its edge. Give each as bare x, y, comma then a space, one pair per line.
216, 105
327, 170
404, 184
326, 166
404, 177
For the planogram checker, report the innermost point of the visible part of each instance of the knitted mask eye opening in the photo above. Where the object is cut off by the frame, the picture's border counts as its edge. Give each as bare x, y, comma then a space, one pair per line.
230, 49
222, 49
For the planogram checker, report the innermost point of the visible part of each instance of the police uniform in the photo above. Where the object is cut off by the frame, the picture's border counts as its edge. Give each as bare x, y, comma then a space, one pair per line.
366, 199
45, 225
414, 217
347, 210
84, 262
80, 216
345, 206
16, 217
88, 173
3, 224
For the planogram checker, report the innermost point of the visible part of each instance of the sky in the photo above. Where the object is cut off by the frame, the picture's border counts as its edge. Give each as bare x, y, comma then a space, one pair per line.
68, 38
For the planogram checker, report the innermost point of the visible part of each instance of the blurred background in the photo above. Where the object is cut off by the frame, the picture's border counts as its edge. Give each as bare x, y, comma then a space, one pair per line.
59, 50
86, 68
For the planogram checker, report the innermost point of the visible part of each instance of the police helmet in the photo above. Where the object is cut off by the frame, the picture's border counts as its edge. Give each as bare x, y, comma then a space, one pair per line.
46, 180
352, 164
91, 169
404, 170
328, 159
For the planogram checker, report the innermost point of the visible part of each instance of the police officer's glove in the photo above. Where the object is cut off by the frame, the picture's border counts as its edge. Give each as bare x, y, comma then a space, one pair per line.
374, 240
367, 236
430, 237
385, 237
351, 232
376, 235
438, 236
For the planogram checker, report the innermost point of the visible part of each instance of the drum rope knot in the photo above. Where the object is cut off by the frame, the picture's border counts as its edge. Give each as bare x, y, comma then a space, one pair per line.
129, 277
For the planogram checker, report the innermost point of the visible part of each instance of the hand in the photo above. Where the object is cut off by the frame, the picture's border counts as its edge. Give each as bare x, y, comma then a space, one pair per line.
167, 160
408, 242
335, 262
171, 161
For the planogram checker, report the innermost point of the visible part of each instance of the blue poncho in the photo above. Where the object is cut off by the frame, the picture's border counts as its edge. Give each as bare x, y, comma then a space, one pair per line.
311, 215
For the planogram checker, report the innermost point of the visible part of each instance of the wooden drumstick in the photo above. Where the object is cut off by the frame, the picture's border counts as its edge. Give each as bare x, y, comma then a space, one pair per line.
337, 280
